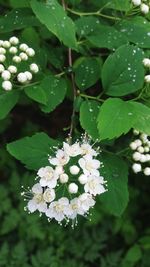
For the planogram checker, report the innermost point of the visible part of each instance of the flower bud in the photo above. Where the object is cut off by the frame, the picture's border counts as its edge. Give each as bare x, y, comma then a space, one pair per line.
14, 40
2, 58
34, 68
73, 188
13, 50
6, 75
7, 85
83, 179
144, 8
136, 167
74, 170
147, 171
64, 178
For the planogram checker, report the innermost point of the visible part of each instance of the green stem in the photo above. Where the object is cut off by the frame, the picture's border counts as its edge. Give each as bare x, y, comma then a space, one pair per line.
92, 97
97, 13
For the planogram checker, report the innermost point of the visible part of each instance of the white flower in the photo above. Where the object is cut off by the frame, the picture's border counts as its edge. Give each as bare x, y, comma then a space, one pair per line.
86, 149
89, 165
16, 59
147, 78
23, 56
28, 75
146, 62
23, 47
49, 195
34, 68
21, 77
83, 179
73, 188
136, 2
30, 52
7, 85
61, 158
2, 50
74, 209
147, 171
2, 58
58, 209
12, 69
74, 170
86, 201
13, 50
6, 75
6, 44
14, 40
144, 8
37, 202
1, 68
94, 185
136, 167
48, 177
59, 170
72, 150
64, 178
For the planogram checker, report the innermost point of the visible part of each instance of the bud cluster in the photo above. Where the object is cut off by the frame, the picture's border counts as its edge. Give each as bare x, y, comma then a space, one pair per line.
141, 153
146, 63
144, 5
13, 69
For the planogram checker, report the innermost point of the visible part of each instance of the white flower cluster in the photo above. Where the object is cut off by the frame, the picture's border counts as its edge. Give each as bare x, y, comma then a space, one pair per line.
144, 5
12, 54
146, 63
76, 172
141, 154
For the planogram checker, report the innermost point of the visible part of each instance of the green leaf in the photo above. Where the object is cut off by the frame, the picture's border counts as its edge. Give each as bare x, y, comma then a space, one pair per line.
107, 37
7, 101
88, 118
55, 90
87, 72
137, 30
115, 172
17, 19
53, 16
32, 151
142, 114
123, 72
120, 5
86, 25
115, 118
36, 93
134, 254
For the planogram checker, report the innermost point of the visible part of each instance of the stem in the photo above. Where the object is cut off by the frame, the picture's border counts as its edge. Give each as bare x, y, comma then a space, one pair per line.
73, 84
97, 13
92, 97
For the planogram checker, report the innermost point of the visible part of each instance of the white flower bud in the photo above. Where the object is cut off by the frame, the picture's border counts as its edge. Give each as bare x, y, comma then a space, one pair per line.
23, 47
83, 179
141, 149
2, 50
147, 78
146, 62
16, 59
6, 75
136, 132
12, 69
144, 8
136, 167
64, 178
1, 42
133, 146
2, 58
147, 157
6, 44
14, 40
74, 170
136, 2
23, 56
136, 156
34, 68
146, 149
73, 188
59, 170
22, 78
148, 143
138, 142
29, 75
1, 68
30, 52
143, 158
144, 137
13, 50
7, 85
147, 171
